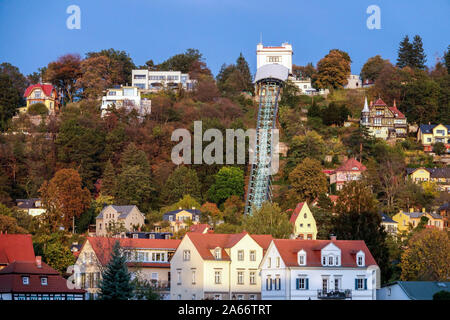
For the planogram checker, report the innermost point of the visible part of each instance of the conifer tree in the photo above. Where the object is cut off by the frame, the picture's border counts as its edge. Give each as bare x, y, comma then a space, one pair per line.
419, 56
116, 280
109, 180
244, 69
405, 53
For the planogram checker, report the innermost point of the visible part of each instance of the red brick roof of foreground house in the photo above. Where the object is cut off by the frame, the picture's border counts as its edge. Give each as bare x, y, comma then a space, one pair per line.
47, 88
103, 246
379, 102
288, 249
11, 278
200, 228
352, 165
204, 243
15, 247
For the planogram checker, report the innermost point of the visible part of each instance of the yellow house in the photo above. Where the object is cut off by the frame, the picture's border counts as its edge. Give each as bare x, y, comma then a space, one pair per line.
218, 266
429, 134
42, 93
409, 220
179, 219
441, 176
304, 222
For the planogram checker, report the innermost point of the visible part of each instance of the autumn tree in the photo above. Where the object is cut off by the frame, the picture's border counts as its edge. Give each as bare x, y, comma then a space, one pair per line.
96, 76
233, 209
268, 220
187, 202
182, 181
181, 62
211, 213
372, 68
118, 65
64, 198
427, 257
307, 180
333, 70
64, 73
357, 219
9, 225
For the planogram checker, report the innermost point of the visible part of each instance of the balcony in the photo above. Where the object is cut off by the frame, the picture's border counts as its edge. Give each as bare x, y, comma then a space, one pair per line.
334, 295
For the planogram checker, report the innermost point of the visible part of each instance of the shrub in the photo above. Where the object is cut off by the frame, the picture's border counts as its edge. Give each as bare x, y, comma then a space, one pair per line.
38, 109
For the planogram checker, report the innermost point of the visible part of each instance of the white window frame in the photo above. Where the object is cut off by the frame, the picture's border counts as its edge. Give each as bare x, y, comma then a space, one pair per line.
186, 255
217, 277
240, 277
252, 255
44, 281
26, 280
240, 255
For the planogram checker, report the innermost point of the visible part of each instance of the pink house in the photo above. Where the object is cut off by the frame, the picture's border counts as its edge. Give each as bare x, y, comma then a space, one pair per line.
348, 171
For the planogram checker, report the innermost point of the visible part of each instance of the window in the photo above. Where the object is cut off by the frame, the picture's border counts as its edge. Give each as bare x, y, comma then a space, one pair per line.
37, 93
440, 132
170, 218
360, 259
324, 261
252, 255
337, 261
304, 216
135, 236
179, 276
217, 297
139, 76
330, 260
278, 262
155, 276
193, 276
277, 282
111, 93
269, 262
252, 297
193, 296
241, 255
25, 280
325, 285
179, 297
140, 85
360, 284
240, 277
302, 258
186, 255
218, 253
309, 225
252, 277
44, 281
302, 283
240, 297
274, 59
217, 277
336, 284
269, 283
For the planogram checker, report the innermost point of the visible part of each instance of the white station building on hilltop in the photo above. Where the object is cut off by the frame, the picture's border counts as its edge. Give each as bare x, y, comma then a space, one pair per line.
283, 55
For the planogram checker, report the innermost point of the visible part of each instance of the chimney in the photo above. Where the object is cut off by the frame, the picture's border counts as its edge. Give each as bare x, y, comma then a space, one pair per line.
39, 261
332, 237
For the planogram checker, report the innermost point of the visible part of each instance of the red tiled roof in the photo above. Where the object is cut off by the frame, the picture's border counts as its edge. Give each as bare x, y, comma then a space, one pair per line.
288, 249
11, 279
397, 112
204, 243
350, 164
103, 246
379, 102
199, 227
296, 212
16, 247
47, 88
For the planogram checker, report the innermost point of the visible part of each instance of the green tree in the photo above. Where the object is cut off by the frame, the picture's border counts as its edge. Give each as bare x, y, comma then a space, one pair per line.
268, 220
290, 95
439, 148
447, 59
9, 100
244, 69
38, 109
182, 181
442, 295
228, 181
109, 183
181, 62
310, 145
116, 281
324, 222
307, 180
187, 202
144, 290
405, 53
419, 56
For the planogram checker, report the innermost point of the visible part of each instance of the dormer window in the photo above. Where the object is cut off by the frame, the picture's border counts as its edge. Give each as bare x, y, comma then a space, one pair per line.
360, 259
26, 280
301, 258
44, 281
305, 215
330, 260
218, 253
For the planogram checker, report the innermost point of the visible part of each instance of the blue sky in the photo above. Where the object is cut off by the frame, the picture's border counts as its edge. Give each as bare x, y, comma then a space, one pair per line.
33, 33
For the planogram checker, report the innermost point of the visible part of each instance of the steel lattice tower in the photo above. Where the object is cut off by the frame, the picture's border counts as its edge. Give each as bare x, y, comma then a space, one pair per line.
259, 185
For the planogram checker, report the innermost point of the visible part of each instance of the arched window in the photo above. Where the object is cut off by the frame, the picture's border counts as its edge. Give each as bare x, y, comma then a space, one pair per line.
302, 258
218, 253
360, 259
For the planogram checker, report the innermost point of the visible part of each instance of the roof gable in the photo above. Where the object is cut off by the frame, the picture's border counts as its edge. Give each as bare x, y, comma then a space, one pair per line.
46, 88
16, 247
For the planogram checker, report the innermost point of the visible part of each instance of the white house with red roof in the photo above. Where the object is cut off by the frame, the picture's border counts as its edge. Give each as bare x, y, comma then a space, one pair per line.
43, 93
350, 170
295, 269
382, 121
147, 259
218, 266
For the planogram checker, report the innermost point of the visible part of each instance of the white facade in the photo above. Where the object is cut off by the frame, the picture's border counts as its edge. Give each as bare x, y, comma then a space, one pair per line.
354, 82
303, 279
156, 80
127, 97
278, 55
